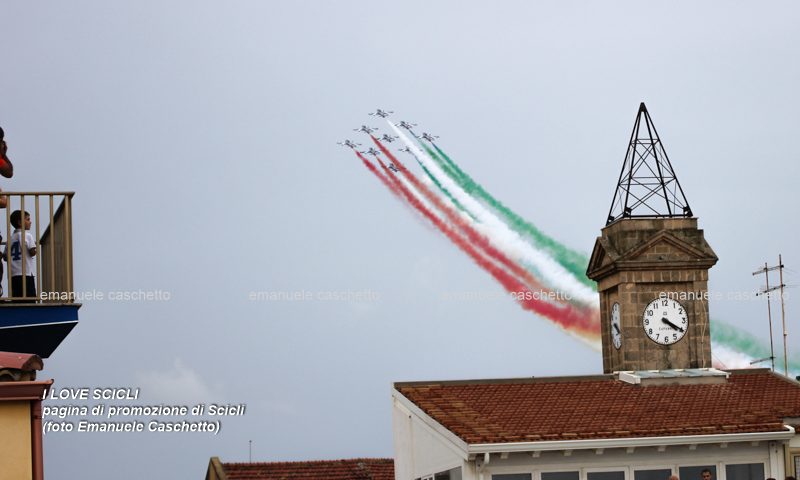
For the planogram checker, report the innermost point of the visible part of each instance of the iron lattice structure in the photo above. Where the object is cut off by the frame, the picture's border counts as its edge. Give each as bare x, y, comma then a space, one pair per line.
647, 186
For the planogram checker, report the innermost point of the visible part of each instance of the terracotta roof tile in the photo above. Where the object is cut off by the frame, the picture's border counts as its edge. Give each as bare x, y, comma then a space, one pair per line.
20, 361
488, 411
350, 469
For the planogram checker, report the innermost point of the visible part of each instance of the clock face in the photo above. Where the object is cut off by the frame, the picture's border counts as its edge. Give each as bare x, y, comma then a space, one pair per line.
665, 321
616, 331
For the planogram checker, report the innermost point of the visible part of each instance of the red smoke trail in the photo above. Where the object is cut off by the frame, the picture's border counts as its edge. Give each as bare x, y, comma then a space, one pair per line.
386, 182
390, 185
566, 317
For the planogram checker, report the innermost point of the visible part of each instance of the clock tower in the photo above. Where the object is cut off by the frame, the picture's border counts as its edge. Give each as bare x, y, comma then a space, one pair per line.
651, 266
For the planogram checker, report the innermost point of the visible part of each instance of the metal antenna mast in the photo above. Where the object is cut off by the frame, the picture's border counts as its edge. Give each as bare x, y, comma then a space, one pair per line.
783, 320
647, 185
765, 271
766, 291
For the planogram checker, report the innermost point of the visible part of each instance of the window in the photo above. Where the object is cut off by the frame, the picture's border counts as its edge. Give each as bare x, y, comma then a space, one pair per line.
561, 475
452, 474
655, 474
618, 475
693, 473
745, 471
512, 476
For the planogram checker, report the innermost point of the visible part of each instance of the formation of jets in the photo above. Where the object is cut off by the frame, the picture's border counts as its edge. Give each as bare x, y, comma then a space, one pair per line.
386, 137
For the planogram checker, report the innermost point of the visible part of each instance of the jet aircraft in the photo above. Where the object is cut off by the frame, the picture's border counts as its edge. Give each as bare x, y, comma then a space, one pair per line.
365, 129
349, 143
408, 126
429, 137
381, 113
372, 151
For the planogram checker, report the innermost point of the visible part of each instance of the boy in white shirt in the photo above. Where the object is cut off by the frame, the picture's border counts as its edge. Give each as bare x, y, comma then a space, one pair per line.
18, 255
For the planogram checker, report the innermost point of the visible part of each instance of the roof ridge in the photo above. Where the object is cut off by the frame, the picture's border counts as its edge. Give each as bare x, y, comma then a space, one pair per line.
318, 461
508, 380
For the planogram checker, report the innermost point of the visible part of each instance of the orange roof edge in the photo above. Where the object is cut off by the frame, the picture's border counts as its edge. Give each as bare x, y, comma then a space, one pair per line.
340, 469
21, 361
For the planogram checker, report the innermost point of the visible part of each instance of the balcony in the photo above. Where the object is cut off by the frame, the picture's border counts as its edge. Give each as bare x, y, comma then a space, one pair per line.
37, 308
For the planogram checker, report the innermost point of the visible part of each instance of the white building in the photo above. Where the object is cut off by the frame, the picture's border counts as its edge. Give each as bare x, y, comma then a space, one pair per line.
628, 426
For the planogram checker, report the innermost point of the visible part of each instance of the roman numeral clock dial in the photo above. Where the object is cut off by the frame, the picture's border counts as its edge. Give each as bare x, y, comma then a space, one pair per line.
665, 321
616, 332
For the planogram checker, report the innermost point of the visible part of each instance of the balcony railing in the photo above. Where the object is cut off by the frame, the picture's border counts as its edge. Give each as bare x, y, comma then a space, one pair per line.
51, 230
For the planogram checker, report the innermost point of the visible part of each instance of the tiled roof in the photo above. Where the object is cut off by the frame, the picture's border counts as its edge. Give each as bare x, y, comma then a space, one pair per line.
351, 469
599, 407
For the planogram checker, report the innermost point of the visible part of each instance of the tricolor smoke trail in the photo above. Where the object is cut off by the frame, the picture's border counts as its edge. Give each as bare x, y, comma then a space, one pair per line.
504, 238
574, 321
467, 227
573, 261
745, 347
444, 191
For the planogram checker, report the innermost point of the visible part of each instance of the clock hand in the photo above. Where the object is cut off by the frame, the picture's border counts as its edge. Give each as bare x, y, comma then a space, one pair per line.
616, 327
664, 320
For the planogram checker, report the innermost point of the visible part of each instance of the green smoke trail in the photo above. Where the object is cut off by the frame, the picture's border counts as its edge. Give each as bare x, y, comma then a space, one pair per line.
573, 261
728, 336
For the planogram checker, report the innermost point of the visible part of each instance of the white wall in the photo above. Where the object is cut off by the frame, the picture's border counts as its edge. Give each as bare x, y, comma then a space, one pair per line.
419, 450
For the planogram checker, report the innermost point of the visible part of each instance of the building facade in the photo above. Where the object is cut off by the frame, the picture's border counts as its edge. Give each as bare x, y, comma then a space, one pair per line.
740, 425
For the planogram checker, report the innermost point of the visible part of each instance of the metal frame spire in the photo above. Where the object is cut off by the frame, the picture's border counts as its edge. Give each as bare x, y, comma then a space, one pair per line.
647, 185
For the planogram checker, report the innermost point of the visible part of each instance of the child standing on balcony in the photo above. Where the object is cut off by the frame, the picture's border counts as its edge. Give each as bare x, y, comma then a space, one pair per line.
15, 244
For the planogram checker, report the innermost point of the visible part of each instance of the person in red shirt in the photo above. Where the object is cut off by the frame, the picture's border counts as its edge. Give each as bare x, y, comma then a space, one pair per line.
6, 168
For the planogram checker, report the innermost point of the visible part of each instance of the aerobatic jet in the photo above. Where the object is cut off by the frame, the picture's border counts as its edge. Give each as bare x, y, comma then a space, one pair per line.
389, 138
381, 113
393, 168
406, 125
365, 129
406, 150
372, 151
429, 137
349, 143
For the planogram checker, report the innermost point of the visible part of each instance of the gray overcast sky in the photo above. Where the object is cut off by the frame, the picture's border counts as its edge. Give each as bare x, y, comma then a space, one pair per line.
200, 139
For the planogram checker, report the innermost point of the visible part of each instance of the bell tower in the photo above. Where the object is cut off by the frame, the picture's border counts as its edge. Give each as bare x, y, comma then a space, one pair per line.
651, 266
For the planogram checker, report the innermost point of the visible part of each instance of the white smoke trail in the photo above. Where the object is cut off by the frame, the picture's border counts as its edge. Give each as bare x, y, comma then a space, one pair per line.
503, 237
727, 358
